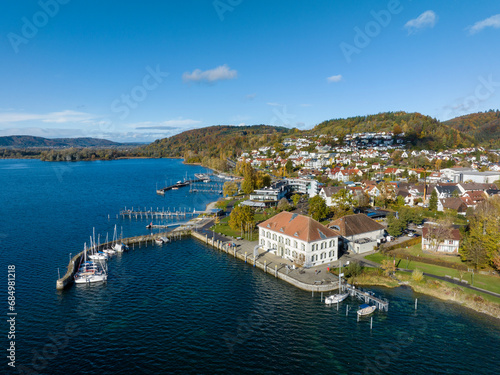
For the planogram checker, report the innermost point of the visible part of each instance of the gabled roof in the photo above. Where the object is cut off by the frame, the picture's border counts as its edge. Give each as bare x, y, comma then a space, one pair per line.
476, 186
454, 203
331, 190
447, 189
351, 225
298, 226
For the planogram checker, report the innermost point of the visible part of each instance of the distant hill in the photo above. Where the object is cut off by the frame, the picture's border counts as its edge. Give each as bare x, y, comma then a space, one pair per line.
28, 141
214, 141
421, 130
484, 127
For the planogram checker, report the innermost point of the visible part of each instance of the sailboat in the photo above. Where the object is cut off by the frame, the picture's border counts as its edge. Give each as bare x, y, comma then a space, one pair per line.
90, 272
339, 297
119, 247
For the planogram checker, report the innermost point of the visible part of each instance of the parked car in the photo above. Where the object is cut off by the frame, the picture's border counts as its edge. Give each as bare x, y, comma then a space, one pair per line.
410, 234
420, 226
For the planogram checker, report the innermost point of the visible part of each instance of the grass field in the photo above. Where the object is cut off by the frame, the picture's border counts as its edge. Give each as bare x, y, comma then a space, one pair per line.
488, 282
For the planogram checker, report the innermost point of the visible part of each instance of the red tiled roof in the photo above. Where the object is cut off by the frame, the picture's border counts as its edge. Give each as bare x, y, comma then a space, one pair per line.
298, 226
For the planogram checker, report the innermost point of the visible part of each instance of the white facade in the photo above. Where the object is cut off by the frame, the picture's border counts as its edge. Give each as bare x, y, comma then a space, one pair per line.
309, 253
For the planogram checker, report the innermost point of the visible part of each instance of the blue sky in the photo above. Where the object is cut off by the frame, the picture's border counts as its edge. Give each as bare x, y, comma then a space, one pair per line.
139, 71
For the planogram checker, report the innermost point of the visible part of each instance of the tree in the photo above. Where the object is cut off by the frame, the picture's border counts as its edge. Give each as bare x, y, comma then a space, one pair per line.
241, 216
296, 199
388, 267
283, 205
261, 180
438, 233
353, 269
317, 207
394, 226
433, 201
248, 184
289, 166
229, 188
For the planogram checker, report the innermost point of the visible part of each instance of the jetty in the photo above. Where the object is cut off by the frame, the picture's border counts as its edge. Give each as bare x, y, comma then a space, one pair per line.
368, 297
131, 242
150, 214
180, 184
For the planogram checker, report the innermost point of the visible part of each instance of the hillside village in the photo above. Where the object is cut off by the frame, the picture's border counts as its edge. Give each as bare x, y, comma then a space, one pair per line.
377, 176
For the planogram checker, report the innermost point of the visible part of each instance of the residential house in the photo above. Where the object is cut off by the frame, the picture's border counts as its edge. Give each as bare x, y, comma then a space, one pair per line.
360, 234
449, 246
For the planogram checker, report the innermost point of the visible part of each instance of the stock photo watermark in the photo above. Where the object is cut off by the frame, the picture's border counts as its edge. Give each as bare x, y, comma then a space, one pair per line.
224, 6
484, 90
30, 26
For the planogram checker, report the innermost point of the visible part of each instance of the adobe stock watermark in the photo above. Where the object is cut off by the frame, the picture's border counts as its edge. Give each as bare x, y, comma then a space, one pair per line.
224, 6
282, 117
48, 9
484, 90
363, 37
139, 93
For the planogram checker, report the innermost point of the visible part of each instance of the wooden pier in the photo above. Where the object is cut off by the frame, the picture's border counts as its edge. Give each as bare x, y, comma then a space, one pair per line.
368, 297
180, 184
150, 214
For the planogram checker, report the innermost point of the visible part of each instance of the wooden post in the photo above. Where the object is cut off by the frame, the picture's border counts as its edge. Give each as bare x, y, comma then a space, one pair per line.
245, 256
265, 266
276, 270
416, 303
371, 323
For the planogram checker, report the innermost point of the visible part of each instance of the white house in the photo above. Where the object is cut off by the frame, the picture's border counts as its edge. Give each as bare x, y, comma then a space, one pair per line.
449, 245
299, 238
359, 233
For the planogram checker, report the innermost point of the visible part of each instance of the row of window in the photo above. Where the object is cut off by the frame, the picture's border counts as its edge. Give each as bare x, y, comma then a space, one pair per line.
314, 258
288, 242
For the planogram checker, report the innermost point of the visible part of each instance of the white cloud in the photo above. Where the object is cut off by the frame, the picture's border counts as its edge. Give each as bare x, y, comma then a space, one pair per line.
336, 78
493, 21
52, 117
220, 73
273, 104
426, 19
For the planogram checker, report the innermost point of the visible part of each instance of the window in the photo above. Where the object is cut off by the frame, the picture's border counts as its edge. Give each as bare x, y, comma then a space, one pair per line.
332, 243
268, 244
280, 239
274, 236
330, 254
263, 233
295, 244
303, 247
268, 235
262, 242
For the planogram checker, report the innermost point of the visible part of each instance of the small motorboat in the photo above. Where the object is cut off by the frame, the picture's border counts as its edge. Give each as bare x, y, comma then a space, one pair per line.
159, 241
365, 309
150, 225
336, 298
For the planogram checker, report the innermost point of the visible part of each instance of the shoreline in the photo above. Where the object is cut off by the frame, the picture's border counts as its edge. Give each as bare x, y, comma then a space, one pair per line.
434, 288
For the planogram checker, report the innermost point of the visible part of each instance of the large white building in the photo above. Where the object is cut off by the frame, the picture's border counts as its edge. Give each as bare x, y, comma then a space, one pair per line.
299, 238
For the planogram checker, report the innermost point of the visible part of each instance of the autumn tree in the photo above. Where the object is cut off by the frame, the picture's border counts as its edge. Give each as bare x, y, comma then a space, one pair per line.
438, 233
241, 216
283, 205
296, 199
229, 188
317, 208
289, 166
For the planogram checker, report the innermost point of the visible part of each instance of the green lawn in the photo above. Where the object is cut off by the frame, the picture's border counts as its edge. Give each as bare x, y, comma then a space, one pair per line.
224, 228
416, 250
488, 282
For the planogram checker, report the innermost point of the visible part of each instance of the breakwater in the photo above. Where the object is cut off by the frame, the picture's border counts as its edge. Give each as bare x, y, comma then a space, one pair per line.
131, 242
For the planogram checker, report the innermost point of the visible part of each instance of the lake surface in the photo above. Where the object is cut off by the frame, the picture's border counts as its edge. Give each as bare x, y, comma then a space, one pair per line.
184, 308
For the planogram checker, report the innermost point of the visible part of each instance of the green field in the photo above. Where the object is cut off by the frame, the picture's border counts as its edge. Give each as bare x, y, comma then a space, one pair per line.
487, 282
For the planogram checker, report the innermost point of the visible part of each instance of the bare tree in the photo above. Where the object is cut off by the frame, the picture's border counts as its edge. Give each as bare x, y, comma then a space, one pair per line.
438, 233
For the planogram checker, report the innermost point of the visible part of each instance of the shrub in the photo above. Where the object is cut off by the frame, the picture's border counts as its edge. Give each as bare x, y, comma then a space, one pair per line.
417, 275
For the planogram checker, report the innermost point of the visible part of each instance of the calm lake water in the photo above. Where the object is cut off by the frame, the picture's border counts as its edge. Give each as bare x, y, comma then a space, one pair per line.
184, 308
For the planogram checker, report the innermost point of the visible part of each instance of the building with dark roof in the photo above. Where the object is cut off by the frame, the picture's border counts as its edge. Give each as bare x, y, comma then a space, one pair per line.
355, 229
299, 238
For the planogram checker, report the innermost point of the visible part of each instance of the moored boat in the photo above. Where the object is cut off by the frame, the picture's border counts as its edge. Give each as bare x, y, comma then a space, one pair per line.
365, 309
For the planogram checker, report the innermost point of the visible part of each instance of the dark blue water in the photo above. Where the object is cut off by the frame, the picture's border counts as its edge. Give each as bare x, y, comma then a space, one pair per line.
184, 308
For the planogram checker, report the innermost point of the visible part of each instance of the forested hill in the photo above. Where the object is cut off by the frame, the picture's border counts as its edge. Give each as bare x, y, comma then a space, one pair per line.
422, 131
216, 141
484, 127
26, 141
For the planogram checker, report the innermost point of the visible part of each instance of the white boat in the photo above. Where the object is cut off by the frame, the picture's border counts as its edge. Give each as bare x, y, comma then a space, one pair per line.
365, 309
99, 256
119, 247
165, 239
90, 272
339, 297
159, 241
336, 298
